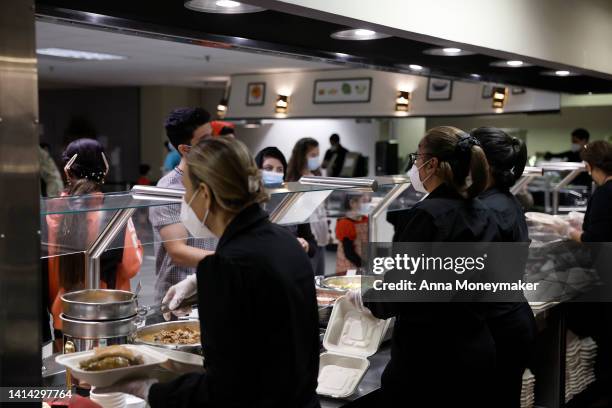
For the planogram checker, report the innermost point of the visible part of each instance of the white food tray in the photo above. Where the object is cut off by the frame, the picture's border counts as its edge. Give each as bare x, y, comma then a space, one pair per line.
105, 378
351, 337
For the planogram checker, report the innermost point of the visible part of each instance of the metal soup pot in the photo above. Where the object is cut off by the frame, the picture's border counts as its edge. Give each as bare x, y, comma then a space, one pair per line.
99, 304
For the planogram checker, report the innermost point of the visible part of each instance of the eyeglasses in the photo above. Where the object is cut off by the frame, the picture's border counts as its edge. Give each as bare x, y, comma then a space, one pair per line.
412, 158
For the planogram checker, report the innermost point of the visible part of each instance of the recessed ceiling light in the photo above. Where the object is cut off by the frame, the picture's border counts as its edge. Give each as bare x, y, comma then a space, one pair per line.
447, 52
77, 54
414, 68
514, 63
227, 3
475, 76
510, 64
221, 6
451, 50
559, 73
358, 34
341, 55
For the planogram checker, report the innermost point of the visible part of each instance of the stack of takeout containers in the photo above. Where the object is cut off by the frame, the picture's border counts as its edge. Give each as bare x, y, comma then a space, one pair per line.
579, 364
527, 392
352, 336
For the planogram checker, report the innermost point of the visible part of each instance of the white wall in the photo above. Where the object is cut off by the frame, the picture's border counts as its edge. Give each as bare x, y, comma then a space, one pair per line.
571, 33
545, 132
283, 134
408, 132
466, 96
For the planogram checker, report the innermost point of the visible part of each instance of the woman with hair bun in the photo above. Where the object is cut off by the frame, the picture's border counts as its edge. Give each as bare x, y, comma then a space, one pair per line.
85, 168
512, 324
442, 353
258, 267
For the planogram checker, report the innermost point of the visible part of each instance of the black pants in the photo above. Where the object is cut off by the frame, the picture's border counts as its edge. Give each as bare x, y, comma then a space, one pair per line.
514, 335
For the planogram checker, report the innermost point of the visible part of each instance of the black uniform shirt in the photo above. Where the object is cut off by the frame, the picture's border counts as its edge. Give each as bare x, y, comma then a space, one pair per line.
448, 341
597, 225
510, 219
259, 323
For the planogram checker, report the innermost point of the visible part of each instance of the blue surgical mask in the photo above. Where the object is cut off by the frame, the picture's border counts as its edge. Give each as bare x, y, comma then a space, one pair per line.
271, 178
313, 163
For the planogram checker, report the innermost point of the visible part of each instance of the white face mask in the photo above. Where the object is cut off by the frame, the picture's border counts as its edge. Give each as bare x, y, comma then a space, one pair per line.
190, 220
313, 163
364, 208
576, 147
415, 179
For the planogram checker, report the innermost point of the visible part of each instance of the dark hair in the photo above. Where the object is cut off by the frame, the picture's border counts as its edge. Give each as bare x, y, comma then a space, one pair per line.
459, 155
143, 169
226, 130
334, 138
273, 152
350, 197
88, 171
298, 161
581, 134
598, 154
507, 156
182, 122
89, 163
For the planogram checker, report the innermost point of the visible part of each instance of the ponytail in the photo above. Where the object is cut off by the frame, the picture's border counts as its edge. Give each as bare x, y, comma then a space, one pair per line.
478, 171
459, 155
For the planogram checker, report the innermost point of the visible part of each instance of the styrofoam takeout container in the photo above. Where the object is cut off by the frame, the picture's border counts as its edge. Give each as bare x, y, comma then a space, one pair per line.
105, 378
351, 337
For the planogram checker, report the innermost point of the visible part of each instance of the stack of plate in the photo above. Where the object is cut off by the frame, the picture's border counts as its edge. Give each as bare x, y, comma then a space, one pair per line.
111, 400
579, 365
527, 392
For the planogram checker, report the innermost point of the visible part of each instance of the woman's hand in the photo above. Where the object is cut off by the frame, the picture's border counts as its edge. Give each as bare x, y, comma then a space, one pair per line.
179, 292
139, 387
304, 244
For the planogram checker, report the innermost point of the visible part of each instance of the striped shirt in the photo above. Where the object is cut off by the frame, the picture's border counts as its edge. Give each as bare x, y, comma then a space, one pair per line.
167, 272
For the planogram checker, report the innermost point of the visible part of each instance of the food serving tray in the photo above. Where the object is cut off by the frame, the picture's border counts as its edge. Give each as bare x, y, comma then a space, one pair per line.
144, 335
105, 378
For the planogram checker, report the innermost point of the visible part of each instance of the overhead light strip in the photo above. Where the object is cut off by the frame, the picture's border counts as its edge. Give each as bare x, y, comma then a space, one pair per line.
78, 54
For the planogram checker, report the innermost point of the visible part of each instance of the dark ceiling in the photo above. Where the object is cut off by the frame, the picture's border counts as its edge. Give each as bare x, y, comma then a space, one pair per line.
271, 31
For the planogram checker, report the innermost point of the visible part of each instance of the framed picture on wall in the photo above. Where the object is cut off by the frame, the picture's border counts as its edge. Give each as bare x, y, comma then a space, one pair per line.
487, 91
256, 93
349, 90
439, 89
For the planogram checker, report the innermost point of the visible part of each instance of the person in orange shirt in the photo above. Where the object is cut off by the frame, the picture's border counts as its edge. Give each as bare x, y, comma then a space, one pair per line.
70, 234
352, 234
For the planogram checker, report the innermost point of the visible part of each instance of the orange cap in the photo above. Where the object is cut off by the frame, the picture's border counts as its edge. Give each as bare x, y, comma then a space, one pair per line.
217, 125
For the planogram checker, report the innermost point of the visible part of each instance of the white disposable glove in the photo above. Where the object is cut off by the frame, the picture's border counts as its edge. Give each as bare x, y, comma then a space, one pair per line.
179, 292
354, 296
139, 387
561, 227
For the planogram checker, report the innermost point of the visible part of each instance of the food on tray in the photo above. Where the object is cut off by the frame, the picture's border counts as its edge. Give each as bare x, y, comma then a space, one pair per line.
345, 285
327, 297
108, 358
183, 335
